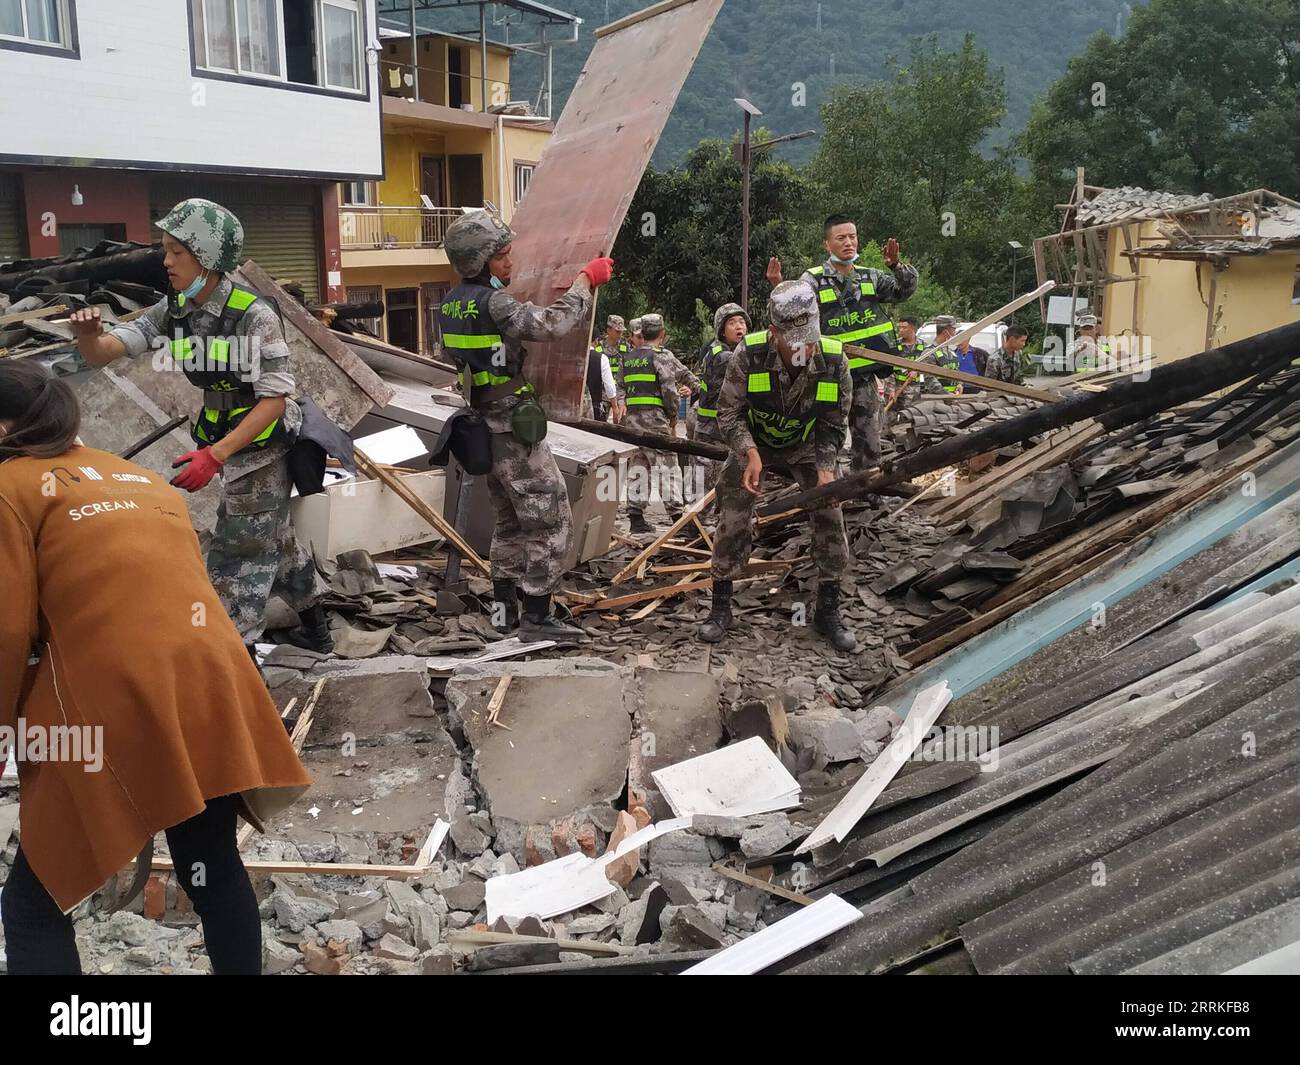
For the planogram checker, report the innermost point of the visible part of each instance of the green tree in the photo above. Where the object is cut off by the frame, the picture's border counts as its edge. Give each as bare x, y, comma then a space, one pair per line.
1196, 96
905, 159
678, 252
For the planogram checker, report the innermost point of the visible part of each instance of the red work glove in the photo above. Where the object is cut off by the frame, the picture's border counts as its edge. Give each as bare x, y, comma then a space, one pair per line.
203, 466
599, 270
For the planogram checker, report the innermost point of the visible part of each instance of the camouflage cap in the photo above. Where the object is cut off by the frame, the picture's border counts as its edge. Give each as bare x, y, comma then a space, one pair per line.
1085, 318
615, 321
213, 234
792, 312
636, 325
473, 239
652, 322
944, 321
727, 310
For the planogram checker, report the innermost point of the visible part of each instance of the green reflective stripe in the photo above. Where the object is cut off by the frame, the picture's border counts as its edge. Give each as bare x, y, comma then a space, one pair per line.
760, 382
218, 350
863, 334
816, 271
181, 348
483, 377
868, 289
754, 339
211, 415
640, 377
467, 340
828, 392
832, 346
809, 428
240, 300
706, 412
825, 294
644, 401
857, 364
265, 434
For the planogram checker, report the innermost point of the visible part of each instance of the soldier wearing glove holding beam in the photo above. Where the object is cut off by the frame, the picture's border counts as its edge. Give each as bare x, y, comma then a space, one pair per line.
484, 329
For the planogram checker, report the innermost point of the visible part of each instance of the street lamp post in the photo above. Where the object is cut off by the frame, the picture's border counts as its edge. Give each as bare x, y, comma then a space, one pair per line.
750, 111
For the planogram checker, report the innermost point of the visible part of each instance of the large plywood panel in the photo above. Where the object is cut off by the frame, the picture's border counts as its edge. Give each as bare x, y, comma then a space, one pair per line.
590, 170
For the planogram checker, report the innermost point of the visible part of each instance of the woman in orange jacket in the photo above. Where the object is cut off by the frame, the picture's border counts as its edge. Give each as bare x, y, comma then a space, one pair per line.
126, 695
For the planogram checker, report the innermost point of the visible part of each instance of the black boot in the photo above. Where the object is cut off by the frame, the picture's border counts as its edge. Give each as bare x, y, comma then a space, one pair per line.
719, 620
314, 632
538, 623
637, 524
827, 618
505, 605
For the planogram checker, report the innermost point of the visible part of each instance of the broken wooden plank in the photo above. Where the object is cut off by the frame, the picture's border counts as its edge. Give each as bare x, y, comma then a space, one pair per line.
934, 370
369, 466
752, 881
472, 938
696, 508
590, 170
27, 316
498, 698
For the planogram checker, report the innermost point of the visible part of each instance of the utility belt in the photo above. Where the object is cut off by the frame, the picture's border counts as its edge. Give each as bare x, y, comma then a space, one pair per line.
223, 410
527, 419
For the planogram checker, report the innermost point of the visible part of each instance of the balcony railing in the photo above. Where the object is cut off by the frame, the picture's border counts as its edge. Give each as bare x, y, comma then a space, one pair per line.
394, 227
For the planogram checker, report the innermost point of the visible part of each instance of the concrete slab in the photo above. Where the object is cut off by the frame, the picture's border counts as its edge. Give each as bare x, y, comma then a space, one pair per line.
365, 708
677, 717
565, 750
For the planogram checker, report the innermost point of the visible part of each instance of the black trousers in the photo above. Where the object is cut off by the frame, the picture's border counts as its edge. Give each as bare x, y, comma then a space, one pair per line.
39, 939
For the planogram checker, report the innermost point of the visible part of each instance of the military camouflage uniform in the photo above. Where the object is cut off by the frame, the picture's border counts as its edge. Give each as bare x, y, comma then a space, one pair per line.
672, 375
892, 286
801, 461
254, 552
534, 521
1004, 365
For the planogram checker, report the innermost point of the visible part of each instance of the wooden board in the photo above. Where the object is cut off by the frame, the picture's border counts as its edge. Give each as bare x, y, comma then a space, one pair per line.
988, 384
590, 169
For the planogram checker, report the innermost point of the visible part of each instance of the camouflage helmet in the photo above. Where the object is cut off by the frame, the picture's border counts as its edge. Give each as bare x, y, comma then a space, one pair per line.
473, 239
792, 311
211, 233
728, 310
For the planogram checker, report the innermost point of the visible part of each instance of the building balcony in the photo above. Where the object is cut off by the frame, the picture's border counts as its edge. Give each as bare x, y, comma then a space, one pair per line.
394, 236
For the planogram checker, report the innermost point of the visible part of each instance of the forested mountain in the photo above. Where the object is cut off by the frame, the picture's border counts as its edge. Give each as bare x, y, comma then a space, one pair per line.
759, 49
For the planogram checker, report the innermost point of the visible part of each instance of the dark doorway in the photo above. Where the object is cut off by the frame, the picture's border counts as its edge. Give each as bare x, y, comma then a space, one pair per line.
466, 172
432, 180
404, 318
300, 41
456, 94
432, 293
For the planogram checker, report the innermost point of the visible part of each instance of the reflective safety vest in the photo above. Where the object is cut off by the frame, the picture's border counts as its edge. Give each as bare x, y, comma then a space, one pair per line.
861, 320
711, 374
228, 395
470, 336
770, 423
641, 378
949, 360
616, 360
908, 351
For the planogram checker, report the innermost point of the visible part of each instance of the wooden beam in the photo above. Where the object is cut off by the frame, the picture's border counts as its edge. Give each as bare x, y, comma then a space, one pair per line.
164, 865
762, 885
369, 466
651, 607
498, 698
473, 939
988, 384
639, 16
27, 316
653, 441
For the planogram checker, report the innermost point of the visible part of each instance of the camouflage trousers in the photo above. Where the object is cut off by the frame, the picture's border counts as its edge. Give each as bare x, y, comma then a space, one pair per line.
864, 423
705, 430
534, 522
648, 470
734, 534
255, 552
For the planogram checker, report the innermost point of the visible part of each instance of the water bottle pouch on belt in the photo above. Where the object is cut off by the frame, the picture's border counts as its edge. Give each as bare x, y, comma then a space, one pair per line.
528, 421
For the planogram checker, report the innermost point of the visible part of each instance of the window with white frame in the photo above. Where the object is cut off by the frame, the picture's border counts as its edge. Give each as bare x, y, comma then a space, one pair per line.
359, 193
523, 175
304, 42
36, 22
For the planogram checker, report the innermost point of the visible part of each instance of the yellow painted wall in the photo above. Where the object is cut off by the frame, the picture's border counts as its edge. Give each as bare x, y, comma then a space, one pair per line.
1252, 295
522, 144
434, 69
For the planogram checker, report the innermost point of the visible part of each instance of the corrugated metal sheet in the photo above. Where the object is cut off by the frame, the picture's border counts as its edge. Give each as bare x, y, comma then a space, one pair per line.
11, 219
280, 219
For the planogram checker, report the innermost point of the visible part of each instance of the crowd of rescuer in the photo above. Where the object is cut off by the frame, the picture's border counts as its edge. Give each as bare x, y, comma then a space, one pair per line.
104, 592
850, 302
248, 421
484, 329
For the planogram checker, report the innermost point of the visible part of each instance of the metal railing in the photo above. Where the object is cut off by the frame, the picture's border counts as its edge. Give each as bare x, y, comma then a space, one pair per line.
394, 227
